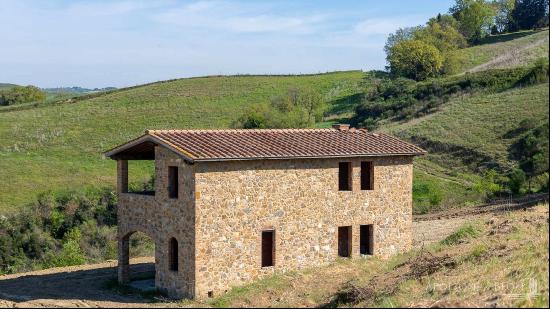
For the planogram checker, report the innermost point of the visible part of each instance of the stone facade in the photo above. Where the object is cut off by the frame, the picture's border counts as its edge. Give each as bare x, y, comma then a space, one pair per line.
223, 207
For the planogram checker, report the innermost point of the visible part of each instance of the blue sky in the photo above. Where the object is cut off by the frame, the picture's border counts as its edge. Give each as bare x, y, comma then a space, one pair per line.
124, 43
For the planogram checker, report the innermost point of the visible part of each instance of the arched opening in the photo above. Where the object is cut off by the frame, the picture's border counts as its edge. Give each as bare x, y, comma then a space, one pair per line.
173, 260
137, 261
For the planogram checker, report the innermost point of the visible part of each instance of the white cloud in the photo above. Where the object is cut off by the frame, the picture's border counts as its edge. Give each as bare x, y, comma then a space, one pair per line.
127, 42
236, 18
385, 26
110, 8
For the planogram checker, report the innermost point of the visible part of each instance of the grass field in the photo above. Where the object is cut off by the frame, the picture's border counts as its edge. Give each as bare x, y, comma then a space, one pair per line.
506, 51
60, 145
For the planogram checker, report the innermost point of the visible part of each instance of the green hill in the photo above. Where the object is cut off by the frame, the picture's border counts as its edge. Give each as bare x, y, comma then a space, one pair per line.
467, 134
506, 51
4, 86
59, 145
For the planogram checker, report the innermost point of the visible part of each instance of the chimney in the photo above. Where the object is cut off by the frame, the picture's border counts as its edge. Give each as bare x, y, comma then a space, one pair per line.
341, 126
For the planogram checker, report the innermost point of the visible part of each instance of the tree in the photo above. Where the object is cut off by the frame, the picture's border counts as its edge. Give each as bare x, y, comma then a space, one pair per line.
517, 180
503, 18
475, 18
400, 35
528, 14
415, 59
532, 150
441, 33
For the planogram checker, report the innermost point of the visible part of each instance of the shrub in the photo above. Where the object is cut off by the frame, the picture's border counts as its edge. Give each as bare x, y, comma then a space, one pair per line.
60, 229
18, 94
463, 233
426, 195
536, 75
489, 184
297, 108
402, 98
532, 150
517, 180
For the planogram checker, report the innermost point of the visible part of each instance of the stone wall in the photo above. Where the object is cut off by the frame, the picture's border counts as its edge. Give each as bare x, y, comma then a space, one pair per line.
299, 199
223, 207
162, 218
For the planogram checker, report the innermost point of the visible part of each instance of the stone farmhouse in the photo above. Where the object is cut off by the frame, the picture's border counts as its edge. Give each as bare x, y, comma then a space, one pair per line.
231, 206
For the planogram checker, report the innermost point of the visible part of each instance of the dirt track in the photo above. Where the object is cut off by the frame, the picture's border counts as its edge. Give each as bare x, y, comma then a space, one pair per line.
85, 286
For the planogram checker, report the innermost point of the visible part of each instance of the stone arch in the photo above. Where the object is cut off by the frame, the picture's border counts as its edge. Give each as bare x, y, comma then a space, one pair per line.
124, 255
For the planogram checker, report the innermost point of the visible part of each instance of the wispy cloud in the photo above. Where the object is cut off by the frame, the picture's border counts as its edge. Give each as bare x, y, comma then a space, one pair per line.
97, 43
385, 26
111, 8
239, 18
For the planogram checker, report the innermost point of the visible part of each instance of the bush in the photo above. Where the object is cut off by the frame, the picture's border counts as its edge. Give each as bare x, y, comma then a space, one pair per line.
489, 184
463, 233
517, 181
18, 94
532, 150
426, 195
297, 108
538, 74
61, 229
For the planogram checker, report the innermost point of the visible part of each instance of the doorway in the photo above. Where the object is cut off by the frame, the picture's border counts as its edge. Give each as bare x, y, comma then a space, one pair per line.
366, 239
344, 241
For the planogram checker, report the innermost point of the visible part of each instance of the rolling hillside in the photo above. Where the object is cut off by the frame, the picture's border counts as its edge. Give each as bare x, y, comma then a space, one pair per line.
468, 133
59, 145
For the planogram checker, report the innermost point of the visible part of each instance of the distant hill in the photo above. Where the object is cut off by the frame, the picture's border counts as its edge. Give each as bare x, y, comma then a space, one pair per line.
75, 90
60, 146
4, 86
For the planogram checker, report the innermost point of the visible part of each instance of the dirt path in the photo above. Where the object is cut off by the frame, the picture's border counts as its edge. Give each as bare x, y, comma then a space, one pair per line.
76, 286
85, 286
510, 58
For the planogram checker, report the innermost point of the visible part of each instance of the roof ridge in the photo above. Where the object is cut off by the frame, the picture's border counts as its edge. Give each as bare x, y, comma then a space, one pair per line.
153, 131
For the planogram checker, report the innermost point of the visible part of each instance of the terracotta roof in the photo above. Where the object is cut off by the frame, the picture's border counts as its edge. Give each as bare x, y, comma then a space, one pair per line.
221, 145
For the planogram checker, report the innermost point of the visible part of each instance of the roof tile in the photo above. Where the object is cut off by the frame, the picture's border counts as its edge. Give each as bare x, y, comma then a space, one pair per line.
219, 145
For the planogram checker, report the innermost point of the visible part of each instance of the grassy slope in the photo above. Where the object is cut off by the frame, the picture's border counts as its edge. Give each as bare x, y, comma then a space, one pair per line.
477, 124
478, 128
4, 86
57, 144
60, 145
504, 254
482, 123
516, 49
